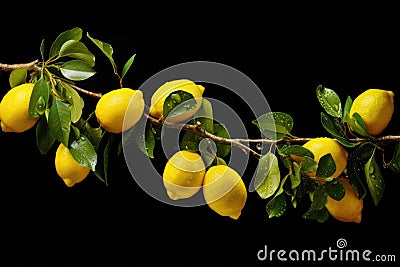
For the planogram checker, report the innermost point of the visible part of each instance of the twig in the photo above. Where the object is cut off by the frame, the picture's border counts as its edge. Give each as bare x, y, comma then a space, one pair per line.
31, 66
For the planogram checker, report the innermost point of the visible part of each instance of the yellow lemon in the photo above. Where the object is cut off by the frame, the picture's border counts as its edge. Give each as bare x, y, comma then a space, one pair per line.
14, 109
159, 96
375, 106
70, 171
321, 146
349, 208
183, 174
224, 191
120, 109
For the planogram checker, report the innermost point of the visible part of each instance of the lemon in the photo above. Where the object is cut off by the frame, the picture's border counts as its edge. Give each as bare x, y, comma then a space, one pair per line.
183, 174
70, 171
321, 146
120, 109
159, 96
375, 106
14, 109
224, 191
349, 208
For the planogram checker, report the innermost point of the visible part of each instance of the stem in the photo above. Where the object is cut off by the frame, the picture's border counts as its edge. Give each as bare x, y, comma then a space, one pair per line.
31, 66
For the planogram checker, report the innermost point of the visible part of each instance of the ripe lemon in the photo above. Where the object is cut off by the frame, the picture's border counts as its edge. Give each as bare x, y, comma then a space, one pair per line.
14, 109
224, 191
159, 96
183, 174
349, 208
70, 171
120, 109
375, 106
321, 146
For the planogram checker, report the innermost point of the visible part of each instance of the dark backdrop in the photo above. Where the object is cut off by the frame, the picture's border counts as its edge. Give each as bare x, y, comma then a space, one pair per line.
286, 51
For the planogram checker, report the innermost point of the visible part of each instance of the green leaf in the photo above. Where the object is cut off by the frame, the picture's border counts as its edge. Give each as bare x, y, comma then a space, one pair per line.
145, 141
17, 77
394, 163
319, 198
295, 176
83, 152
331, 128
76, 70
190, 142
274, 125
221, 131
356, 163
335, 189
297, 150
326, 166
357, 124
205, 116
93, 134
74, 100
308, 165
42, 50
106, 49
330, 101
77, 50
178, 102
72, 34
39, 99
127, 66
276, 207
374, 179
103, 152
346, 110
44, 139
59, 121
318, 215
268, 176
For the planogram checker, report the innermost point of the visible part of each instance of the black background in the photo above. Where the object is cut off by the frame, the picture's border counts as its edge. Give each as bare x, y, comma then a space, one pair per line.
286, 50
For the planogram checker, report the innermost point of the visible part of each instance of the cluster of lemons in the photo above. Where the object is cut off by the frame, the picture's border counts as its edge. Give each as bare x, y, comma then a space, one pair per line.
185, 173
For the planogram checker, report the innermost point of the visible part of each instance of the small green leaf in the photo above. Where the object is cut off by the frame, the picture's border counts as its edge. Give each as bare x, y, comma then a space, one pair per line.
346, 110
17, 77
295, 176
394, 163
205, 116
330, 101
297, 150
308, 165
76, 70
39, 98
74, 100
274, 125
357, 124
42, 50
326, 166
93, 134
267, 177
221, 161
77, 50
335, 189
59, 121
276, 207
145, 141
106, 49
221, 131
332, 128
319, 198
72, 34
374, 179
83, 152
319, 215
190, 142
127, 66
103, 151
44, 139
178, 102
